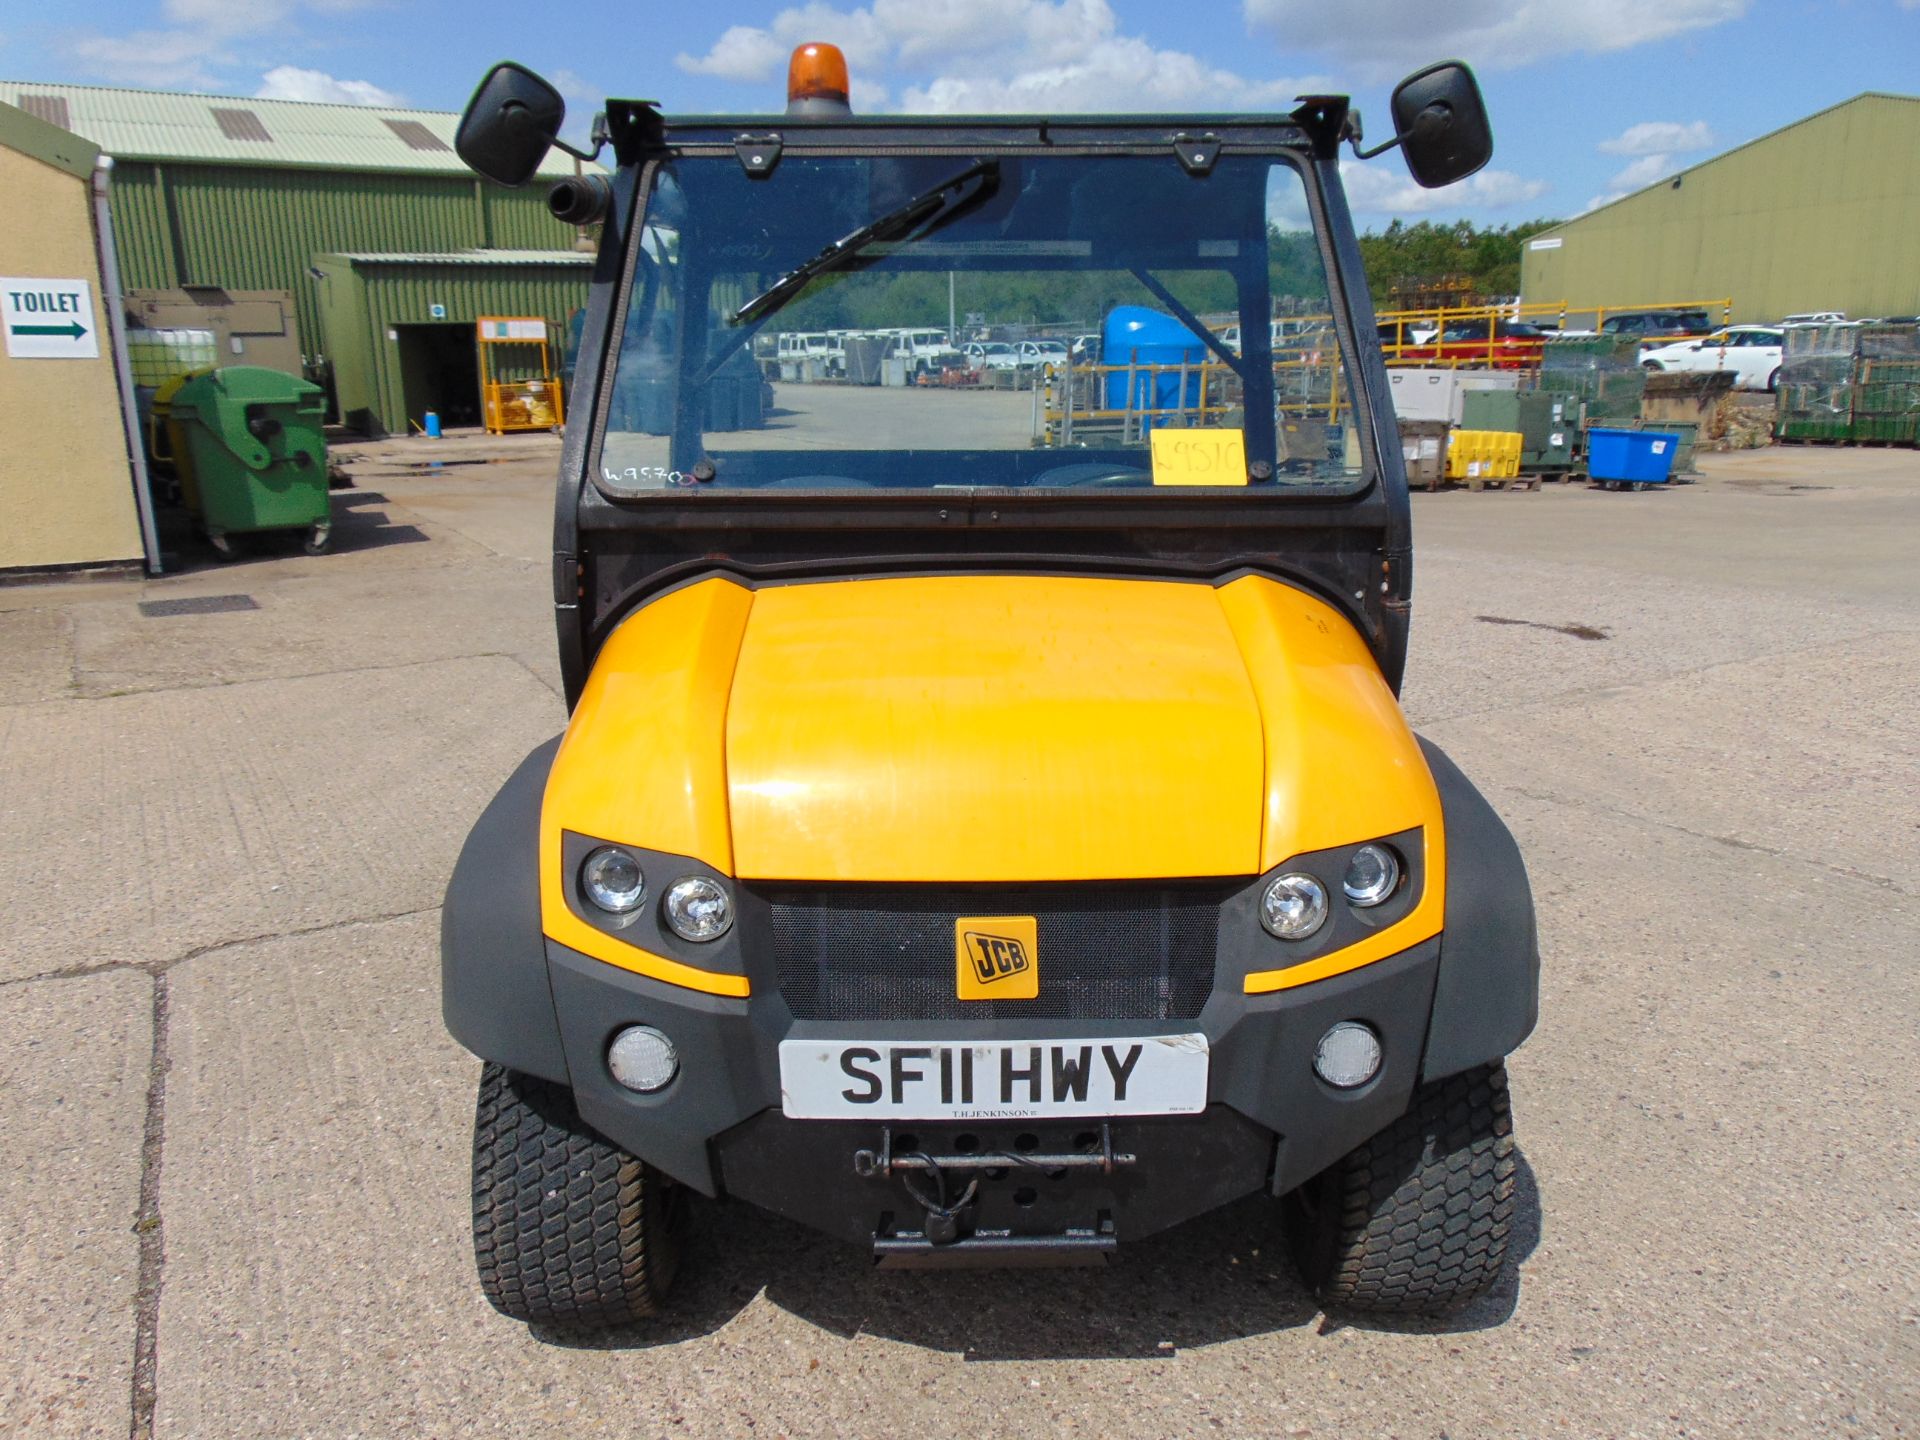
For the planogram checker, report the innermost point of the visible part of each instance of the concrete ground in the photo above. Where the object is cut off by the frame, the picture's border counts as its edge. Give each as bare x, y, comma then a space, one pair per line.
238, 1136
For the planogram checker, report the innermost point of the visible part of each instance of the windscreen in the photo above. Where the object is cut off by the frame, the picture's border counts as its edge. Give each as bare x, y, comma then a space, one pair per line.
924, 321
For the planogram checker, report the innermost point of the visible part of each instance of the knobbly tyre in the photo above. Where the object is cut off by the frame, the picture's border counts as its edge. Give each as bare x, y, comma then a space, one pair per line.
986, 830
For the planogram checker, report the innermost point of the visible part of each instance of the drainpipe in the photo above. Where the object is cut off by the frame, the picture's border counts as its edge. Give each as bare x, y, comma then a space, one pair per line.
123, 373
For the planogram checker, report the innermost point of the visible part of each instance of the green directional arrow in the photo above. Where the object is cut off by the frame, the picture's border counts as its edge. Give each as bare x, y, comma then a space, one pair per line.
71, 330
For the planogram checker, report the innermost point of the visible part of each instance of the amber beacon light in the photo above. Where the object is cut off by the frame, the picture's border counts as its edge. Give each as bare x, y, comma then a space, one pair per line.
817, 81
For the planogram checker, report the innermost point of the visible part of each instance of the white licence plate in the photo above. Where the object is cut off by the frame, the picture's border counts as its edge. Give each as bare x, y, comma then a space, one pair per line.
1000, 1080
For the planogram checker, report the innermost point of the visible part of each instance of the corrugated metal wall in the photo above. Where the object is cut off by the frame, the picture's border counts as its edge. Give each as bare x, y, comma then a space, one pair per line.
374, 298
1822, 215
251, 228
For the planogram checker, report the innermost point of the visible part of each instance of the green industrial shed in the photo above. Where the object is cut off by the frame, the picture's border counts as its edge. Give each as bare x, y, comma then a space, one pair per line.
240, 194
394, 360
1822, 215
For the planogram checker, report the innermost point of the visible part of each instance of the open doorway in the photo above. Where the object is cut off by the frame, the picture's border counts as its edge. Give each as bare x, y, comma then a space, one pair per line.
439, 371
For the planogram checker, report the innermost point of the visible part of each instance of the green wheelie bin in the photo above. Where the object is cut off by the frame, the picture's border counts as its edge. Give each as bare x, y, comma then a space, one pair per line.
255, 455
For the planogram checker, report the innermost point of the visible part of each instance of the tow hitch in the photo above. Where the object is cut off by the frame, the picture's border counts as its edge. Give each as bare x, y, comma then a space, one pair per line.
946, 1190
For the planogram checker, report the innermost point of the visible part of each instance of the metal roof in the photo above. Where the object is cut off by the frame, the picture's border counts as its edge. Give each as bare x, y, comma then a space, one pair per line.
463, 257
234, 130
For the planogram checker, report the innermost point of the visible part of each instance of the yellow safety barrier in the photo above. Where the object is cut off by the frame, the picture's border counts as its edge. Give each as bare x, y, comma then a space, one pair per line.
1483, 455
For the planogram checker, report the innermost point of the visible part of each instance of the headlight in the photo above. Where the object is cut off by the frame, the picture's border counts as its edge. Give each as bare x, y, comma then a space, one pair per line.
1372, 875
612, 880
698, 908
1294, 906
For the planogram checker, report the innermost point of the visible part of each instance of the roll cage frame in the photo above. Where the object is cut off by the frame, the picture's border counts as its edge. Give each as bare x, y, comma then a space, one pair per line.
614, 554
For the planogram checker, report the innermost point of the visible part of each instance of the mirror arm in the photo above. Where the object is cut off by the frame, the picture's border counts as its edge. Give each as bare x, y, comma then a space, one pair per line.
1381, 149
587, 155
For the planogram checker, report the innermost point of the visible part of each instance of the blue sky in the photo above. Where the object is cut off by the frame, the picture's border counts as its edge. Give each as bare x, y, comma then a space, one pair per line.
1590, 98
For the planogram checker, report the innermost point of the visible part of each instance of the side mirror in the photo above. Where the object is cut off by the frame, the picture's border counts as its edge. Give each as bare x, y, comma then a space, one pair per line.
1441, 123
510, 124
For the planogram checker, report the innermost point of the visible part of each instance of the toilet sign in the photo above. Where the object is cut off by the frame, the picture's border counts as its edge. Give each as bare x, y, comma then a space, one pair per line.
48, 319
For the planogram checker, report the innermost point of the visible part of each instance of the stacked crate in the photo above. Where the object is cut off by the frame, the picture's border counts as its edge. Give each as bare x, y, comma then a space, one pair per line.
1601, 373
1886, 388
1850, 384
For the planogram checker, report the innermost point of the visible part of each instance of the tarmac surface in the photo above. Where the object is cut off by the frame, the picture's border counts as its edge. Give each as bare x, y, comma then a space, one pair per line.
236, 1197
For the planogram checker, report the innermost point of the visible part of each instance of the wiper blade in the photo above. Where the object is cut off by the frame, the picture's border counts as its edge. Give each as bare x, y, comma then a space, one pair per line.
843, 252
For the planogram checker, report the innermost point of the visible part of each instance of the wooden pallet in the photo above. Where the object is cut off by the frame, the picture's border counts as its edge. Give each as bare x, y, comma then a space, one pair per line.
1505, 482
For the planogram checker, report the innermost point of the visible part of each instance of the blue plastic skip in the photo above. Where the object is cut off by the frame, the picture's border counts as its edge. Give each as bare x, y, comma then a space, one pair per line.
1639, 457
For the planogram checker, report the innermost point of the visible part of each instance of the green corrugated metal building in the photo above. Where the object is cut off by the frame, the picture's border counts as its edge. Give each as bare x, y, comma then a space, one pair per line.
242, 194
1822, 215
405, 359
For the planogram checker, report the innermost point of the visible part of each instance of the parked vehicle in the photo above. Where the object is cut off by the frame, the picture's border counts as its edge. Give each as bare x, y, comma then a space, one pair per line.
980, 851
1816, 317
990, 355
926, 350
1498, 344
1752, 352
1044, 356
1657, 323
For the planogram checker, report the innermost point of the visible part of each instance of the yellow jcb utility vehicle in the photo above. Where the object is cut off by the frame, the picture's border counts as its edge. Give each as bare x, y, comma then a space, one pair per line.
986, 830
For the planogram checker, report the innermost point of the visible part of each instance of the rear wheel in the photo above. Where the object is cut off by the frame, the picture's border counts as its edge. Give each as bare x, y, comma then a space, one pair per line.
1773, 380
1415, 1221
567, 1229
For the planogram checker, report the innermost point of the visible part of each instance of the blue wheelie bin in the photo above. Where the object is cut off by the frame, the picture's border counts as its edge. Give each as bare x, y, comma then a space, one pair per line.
1630, 459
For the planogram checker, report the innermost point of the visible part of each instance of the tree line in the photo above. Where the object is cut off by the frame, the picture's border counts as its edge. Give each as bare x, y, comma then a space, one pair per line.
1399, 260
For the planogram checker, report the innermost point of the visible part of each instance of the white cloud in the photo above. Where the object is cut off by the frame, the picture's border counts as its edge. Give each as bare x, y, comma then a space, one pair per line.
1645, 171
1380, 39
153, 58
196, 43
1657, 146
290, 82
992, 56
1384, 190
1118, 74
743, 52
1662, 137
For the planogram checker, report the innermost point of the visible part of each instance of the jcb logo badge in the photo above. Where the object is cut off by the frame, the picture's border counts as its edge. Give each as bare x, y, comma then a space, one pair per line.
995, 957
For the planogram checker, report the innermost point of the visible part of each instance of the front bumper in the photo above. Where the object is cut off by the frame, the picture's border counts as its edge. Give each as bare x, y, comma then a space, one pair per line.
1270, 1122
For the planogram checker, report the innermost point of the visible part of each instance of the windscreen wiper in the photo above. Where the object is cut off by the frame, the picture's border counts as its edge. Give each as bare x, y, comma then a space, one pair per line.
845, 251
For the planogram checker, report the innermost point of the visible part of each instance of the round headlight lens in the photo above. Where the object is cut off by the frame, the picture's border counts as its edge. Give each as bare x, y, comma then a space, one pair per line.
642, 1059
1348, 1055
612, 880
698, 908
1294, 906
1373, 874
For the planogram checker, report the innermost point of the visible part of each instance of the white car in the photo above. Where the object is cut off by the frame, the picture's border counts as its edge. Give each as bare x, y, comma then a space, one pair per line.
990, 355
1751, 352
1044, 355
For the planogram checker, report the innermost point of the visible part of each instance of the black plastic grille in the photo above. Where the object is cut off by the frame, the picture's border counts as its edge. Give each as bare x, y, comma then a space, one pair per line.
885, 952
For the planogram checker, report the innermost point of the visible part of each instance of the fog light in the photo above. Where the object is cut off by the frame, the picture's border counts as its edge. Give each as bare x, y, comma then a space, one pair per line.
612, 880
1294, 906
1347, 1055
1372, 875
642, 1059
698, 908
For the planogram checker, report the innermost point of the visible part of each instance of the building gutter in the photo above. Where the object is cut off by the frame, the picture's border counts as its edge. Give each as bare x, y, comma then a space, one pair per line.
111, 301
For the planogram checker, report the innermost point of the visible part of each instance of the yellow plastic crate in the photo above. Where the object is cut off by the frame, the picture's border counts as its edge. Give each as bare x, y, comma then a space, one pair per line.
1483, 455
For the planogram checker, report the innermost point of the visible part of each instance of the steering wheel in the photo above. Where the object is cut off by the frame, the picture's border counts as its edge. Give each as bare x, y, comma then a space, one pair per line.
1092, 473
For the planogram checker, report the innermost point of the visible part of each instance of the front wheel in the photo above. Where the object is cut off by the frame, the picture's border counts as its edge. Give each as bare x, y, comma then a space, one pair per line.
568, 1230
1414, 1221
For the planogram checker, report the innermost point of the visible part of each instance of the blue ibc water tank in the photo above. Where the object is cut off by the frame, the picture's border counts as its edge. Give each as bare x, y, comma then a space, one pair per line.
1134, 334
